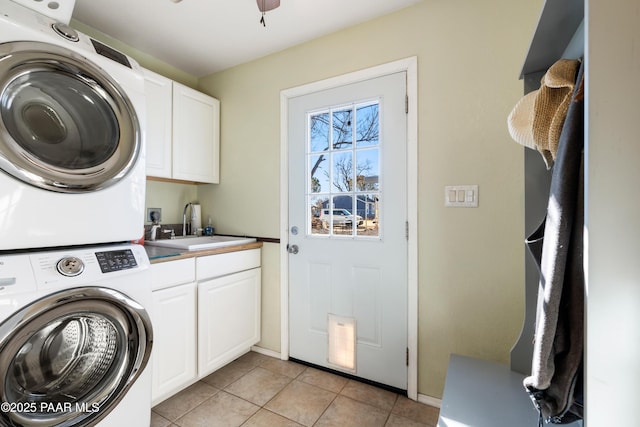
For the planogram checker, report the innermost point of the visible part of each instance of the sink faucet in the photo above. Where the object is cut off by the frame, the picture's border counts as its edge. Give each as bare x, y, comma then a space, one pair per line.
154, 230
184, 219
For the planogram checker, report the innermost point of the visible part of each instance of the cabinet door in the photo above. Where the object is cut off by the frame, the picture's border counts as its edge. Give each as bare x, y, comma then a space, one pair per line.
228, 318
196, 135
158, 93
174, 340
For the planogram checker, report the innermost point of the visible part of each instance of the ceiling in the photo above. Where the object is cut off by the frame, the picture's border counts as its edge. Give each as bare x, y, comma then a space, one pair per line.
201, 37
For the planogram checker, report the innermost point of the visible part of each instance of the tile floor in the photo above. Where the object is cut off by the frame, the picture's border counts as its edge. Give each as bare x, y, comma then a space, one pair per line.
257, 390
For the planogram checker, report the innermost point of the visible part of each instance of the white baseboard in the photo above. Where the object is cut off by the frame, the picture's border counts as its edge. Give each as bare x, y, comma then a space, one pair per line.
428, 400
266, 352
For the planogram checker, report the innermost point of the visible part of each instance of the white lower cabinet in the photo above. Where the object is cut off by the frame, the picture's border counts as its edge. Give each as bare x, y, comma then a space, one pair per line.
206, 313
174, 315
228, 318
174, 347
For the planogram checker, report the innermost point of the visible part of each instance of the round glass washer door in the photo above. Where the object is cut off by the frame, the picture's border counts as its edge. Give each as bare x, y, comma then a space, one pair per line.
69, 358
65, 125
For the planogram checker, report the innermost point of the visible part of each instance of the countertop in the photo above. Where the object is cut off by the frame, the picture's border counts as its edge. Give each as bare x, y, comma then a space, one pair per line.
158, 254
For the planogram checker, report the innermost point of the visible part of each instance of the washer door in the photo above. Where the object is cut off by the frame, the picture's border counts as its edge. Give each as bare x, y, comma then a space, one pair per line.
69, 358
65, 125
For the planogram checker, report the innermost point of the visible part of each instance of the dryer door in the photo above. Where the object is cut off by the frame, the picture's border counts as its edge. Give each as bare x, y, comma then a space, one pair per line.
65, 125
69, 358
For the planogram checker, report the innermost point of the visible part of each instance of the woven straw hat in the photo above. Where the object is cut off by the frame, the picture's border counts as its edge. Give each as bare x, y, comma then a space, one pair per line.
537, 119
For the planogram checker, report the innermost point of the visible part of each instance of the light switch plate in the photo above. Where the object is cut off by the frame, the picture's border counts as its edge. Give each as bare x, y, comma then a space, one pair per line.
461, 196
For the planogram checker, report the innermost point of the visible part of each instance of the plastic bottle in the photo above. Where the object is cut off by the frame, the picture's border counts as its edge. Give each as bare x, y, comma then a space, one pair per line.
208, 230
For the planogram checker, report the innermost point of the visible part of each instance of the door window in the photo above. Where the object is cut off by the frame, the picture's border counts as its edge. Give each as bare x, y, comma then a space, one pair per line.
343, 172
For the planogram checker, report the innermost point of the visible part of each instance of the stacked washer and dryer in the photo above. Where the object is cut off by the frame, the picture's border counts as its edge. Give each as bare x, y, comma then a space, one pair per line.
75, 295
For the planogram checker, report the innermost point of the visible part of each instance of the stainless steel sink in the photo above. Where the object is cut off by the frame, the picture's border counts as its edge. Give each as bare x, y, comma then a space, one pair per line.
192, 243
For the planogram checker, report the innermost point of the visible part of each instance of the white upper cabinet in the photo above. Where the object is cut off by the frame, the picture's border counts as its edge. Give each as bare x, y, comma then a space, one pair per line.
158, 91
196, 135
183, 132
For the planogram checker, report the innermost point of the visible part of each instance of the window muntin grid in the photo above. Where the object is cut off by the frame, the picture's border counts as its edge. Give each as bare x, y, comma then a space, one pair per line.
343, 171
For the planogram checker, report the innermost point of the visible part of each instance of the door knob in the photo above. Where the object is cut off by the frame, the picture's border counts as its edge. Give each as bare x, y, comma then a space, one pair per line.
293, 249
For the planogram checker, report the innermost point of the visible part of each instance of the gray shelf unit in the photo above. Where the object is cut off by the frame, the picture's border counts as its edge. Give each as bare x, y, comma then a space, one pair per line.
486, 394
559, 34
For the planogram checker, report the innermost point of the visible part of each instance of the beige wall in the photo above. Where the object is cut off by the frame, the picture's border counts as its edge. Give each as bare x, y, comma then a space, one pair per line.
471, 271
171, 198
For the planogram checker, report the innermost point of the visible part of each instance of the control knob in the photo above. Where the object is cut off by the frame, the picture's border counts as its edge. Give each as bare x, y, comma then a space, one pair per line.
70, 266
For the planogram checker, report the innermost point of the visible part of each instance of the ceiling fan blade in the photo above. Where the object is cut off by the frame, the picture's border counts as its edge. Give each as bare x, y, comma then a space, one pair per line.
267, 5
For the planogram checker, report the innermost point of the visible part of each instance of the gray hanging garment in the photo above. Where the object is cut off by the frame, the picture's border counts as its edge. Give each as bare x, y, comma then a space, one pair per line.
555, 383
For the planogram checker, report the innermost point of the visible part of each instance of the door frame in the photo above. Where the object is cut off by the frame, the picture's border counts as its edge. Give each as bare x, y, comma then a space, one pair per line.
410, 66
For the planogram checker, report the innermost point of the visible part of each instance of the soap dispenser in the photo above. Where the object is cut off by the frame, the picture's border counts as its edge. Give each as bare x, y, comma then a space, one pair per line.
208, 229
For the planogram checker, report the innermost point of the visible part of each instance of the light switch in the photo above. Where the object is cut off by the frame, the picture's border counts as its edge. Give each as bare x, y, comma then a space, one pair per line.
461, 196
470, 196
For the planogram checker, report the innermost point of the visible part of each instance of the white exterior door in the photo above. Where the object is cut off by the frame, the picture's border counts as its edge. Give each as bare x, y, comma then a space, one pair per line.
347, 229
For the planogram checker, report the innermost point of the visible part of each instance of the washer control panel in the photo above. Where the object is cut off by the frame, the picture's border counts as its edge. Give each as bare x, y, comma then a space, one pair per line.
116, 260
83, 266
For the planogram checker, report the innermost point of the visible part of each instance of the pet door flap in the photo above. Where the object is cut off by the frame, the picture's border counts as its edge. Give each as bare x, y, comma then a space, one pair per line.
342, 342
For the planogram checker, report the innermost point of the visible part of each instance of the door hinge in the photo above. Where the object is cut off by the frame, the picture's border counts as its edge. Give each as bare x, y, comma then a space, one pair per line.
407, 356
406, 230
406, 104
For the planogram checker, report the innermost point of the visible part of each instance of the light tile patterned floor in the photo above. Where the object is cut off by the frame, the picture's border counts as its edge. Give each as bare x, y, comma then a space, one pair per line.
261, 391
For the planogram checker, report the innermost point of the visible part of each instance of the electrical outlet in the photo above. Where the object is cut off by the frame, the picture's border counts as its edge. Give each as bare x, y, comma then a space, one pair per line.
154, 214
